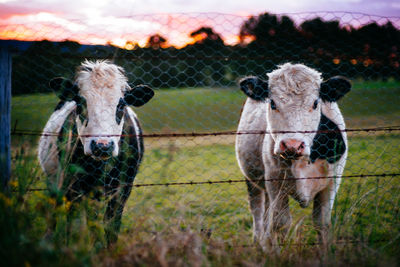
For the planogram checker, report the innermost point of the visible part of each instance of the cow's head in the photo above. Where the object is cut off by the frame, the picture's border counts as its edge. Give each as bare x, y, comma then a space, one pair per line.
292, 97
101, 92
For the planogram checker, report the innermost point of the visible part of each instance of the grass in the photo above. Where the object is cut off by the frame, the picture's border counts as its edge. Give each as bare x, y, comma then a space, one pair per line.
206, 224
372, 104
217, 162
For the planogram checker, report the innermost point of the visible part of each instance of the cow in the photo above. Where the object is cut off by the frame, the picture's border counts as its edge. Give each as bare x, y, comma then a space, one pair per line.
92, 144
291, 131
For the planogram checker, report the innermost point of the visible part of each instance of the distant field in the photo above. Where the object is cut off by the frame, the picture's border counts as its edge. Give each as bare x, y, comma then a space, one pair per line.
218, 109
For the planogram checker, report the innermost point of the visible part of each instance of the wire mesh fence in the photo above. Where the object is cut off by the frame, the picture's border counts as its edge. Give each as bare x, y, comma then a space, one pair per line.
189, 177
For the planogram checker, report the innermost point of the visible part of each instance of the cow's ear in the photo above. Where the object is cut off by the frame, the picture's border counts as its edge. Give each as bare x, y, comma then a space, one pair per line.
65, 89
334, 88
138, 95
254, 88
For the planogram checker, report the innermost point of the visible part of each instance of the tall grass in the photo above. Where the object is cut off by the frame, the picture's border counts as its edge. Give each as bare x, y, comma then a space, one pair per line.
203, 224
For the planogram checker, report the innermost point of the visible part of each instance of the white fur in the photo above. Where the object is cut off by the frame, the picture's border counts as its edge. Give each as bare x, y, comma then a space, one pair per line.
102, 86
293, 88
48, 150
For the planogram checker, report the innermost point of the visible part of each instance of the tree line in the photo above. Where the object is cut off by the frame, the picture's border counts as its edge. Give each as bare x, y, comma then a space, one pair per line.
367, 52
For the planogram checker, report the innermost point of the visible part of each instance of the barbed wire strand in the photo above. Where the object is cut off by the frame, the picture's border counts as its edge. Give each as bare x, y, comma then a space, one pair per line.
196, 134
232, 181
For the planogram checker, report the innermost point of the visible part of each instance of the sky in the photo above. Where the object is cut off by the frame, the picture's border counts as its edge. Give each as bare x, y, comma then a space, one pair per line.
119, 21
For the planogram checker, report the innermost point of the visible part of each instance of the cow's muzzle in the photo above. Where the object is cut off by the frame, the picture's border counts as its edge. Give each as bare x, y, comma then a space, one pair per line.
102, 149
291, 149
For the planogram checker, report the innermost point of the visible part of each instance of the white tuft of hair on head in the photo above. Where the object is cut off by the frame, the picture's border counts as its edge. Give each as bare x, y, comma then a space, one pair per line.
101, 74
294, 79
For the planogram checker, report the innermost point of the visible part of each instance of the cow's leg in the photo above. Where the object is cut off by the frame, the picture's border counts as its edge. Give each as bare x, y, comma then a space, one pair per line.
71, 214
278, 218
113, 214
111, 225
257, 201
92, 218
323, 204
74, 197
51, 225
322, 213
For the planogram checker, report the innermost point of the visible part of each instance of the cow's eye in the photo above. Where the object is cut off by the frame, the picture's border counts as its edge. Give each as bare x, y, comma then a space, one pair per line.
315, 105
120, 110
273, 106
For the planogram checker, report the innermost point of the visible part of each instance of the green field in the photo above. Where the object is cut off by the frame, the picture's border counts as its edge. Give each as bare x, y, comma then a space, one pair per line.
211, 223
218, 109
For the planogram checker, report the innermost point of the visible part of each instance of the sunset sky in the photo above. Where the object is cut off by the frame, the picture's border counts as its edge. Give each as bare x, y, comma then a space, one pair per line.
117, 21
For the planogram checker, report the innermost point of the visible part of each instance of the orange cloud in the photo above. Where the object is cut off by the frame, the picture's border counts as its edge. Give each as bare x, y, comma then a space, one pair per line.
96, 29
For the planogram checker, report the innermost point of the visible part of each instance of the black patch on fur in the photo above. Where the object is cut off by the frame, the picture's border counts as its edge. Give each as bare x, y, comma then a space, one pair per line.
59, 105
328, 143
120, 110
138, 95
334, 88
254, 88
65, 89
81, 109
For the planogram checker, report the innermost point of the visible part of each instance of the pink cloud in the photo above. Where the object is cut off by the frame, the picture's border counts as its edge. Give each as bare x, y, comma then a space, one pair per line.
7, 11
105, 21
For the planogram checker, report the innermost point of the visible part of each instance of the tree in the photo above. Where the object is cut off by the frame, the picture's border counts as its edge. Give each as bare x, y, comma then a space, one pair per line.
156, 41
206, 35
261, 27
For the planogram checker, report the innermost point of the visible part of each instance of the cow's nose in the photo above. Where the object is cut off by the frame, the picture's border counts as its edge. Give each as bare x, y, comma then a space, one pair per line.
292, 148
102, 148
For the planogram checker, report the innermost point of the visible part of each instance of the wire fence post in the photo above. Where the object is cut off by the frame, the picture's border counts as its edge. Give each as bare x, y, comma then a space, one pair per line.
5, 117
